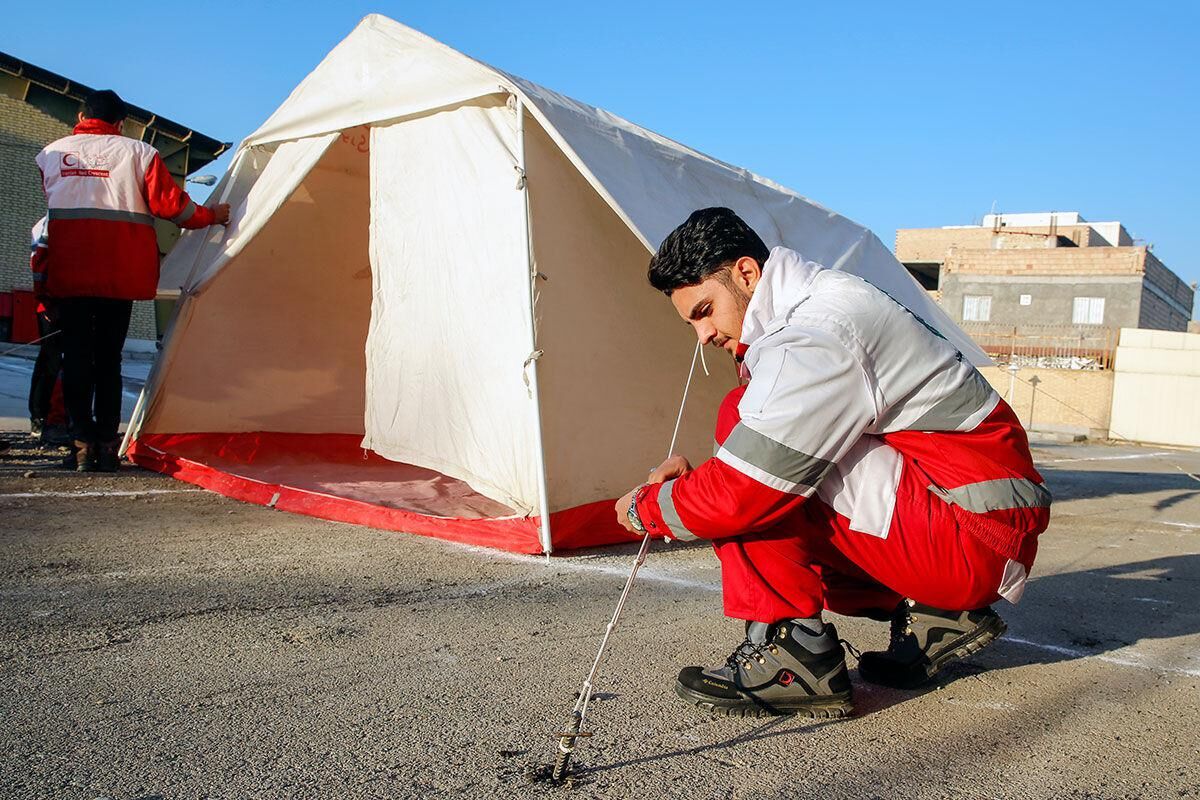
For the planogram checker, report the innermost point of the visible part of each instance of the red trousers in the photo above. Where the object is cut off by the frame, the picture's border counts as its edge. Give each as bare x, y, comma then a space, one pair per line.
813, 561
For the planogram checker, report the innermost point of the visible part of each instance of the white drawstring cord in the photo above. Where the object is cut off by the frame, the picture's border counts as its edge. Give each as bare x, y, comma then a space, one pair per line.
691, 371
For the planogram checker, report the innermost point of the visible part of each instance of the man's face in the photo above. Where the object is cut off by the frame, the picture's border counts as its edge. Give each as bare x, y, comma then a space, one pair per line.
716, 307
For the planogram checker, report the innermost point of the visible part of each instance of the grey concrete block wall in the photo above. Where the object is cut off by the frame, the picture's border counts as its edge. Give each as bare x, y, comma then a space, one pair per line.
24, 131
1160, 314
1052, 297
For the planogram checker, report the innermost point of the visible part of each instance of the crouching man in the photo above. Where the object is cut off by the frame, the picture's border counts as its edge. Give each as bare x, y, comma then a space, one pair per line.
865, 468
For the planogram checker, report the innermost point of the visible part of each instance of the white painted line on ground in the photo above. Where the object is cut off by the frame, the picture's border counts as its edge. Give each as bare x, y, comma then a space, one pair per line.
121, 493
1133, 659
1190, 525
583, 565
1102, 458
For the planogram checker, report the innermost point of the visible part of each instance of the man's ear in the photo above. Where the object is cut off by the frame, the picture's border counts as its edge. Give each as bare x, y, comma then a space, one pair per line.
79, 117
746, 273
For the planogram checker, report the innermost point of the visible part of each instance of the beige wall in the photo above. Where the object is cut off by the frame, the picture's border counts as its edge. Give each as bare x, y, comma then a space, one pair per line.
1066, 399
1156, 392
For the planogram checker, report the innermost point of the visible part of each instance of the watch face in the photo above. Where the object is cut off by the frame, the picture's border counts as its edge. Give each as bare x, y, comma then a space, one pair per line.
634, 519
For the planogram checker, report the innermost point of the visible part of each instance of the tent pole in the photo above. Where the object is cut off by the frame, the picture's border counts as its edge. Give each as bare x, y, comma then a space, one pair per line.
522, 184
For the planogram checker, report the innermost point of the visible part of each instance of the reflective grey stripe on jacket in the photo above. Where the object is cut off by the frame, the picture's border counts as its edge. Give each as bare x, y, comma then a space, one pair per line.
967, 400
772, 463
996, 495
183, 216
666, 507
107, 214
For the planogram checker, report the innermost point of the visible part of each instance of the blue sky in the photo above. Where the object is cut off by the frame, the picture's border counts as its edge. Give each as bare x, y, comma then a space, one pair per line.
894, 114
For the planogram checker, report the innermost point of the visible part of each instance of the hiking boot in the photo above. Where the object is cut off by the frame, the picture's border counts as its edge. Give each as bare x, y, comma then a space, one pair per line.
783, 668
925, 639
82, 457
107, 459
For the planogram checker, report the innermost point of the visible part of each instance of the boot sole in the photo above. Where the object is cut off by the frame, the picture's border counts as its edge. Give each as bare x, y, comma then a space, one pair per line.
965, 645
834, 706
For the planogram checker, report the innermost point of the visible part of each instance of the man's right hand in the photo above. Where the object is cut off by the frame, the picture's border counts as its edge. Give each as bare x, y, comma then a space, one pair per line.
673, 467
220, 214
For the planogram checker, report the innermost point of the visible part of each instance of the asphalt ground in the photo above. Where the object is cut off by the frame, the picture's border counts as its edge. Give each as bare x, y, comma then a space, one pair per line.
158, 641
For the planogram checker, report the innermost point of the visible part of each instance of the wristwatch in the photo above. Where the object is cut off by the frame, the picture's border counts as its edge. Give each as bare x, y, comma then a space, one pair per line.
634, 519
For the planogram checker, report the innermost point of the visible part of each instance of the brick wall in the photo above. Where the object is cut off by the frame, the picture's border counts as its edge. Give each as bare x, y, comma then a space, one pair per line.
1066, 399
929, 245
1056, 261
24, 131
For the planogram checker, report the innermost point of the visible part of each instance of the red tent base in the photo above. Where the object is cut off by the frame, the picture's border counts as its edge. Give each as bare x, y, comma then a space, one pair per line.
331, 477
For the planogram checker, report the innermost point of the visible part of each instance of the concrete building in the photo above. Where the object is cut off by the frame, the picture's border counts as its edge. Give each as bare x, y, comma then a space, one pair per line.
37, 107
1045, 269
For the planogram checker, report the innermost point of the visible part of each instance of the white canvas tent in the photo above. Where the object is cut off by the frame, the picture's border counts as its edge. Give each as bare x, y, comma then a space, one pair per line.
430, 309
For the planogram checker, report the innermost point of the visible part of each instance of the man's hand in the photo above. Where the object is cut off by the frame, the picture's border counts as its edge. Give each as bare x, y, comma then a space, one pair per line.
673, 467
220, 213
50, 313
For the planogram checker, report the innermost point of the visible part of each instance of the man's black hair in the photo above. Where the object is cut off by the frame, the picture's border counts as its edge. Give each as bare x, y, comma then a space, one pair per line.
710, 239
105, 104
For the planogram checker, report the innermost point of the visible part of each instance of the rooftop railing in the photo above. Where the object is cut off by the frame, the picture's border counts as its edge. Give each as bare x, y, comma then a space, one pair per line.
1050, 346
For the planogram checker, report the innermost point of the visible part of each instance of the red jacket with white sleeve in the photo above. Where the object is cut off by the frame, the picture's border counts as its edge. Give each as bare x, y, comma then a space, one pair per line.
103, 191
847, 388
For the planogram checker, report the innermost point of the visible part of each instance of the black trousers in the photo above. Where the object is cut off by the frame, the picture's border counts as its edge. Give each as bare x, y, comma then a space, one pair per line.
46, 368
93, 334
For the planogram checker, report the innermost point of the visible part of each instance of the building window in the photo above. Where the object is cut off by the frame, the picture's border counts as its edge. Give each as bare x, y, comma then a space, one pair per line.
977, 307
1088, 311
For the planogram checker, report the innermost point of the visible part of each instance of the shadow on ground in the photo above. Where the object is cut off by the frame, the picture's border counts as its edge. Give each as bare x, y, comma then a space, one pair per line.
1068, 484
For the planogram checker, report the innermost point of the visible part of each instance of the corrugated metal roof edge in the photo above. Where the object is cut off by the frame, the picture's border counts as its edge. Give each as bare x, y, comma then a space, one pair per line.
75, 90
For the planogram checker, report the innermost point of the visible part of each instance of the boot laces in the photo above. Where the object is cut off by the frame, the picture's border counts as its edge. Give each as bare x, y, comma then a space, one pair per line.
746, 653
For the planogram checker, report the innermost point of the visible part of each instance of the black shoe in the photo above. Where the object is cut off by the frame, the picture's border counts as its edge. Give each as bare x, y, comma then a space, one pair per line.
55, 436
779, 669
82, 457
107, 459
35, 428
925, 639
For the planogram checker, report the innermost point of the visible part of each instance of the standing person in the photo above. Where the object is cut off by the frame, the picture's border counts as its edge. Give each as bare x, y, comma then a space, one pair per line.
43, 413
865, 468
103, 191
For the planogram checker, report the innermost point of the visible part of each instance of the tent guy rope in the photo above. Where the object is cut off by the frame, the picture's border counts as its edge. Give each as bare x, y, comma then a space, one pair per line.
567, 739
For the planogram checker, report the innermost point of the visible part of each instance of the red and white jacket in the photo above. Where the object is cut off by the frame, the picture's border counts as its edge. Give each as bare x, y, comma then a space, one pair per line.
39, 256
103, 191
846, 385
